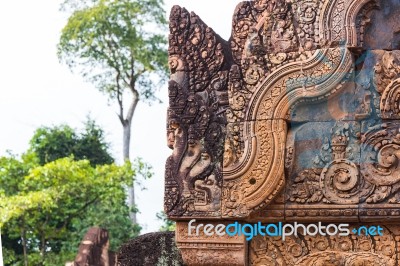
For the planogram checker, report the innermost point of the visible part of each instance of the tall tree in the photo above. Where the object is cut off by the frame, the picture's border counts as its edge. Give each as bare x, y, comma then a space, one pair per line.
120, 46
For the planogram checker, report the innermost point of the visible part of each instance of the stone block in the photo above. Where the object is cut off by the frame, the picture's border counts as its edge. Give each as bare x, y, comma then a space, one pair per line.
379, 25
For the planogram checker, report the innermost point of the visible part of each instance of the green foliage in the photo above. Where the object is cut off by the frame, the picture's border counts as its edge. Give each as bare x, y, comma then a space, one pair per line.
52, 143
56, 204
8, 256
168, 224
116, 44
12, 172
47, 203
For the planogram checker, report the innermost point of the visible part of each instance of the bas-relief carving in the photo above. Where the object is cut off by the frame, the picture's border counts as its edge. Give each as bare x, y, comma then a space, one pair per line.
366, 171
326, 250
262, 175
240, 110
335, 178
196, 121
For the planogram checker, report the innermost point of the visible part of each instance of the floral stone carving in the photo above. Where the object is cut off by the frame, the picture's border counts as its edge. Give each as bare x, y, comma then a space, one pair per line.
295, 118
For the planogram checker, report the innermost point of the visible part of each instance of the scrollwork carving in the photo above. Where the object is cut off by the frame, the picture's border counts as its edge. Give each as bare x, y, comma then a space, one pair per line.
260, 171
380, 157
339, 182
335, 179
325, 250
390, 108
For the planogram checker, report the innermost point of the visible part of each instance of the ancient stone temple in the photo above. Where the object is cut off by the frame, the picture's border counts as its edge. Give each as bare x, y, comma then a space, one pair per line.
296, 118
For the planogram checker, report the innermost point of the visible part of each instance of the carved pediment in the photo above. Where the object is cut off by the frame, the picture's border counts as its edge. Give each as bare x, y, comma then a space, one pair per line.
295, 118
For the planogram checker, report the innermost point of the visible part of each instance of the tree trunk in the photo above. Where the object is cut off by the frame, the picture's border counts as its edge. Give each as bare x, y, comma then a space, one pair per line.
24, 246
127, 124
126, 151
43, 246
126, 140
1, 251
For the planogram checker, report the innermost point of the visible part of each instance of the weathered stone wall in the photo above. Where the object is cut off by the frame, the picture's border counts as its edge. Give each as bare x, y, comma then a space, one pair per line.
154, 249
295, 118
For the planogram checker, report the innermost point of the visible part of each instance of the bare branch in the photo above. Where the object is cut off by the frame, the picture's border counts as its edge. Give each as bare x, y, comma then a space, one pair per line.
120, 98
132, 108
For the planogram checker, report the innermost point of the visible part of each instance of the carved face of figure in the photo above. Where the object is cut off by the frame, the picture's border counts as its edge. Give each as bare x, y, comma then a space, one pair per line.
173, 64
171, 139
308, 46
172, 131
176, 66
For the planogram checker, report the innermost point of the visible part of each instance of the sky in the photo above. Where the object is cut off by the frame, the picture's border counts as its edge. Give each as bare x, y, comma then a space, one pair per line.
36, 90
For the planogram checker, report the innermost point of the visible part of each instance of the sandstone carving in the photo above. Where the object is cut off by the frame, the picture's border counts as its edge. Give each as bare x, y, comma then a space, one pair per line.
196, 121
326, 250
295, 118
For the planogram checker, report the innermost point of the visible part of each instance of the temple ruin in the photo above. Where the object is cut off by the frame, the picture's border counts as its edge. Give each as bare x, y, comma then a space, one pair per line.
296, 118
